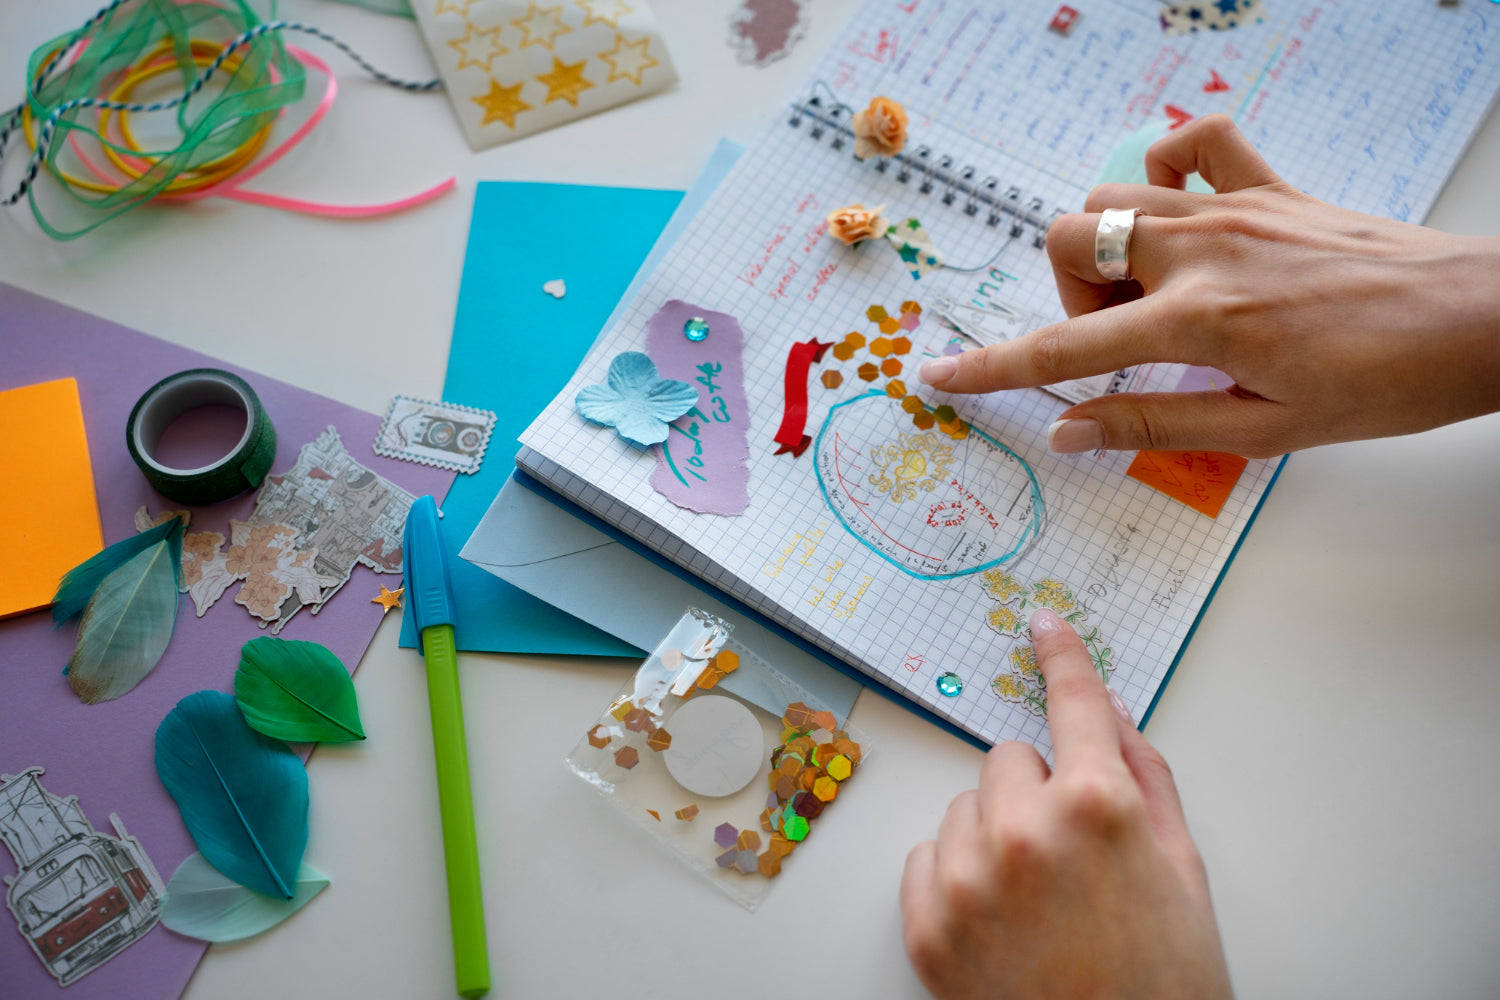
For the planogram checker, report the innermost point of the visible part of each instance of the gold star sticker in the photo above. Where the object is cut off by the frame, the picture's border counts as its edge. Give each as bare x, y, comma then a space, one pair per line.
388, 599
459, 7
541, 25
501, 104
604, 12
474, 51
565, 82
628, 60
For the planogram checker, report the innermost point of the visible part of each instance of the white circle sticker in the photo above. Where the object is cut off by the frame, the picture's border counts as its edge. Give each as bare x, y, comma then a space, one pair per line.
717, 746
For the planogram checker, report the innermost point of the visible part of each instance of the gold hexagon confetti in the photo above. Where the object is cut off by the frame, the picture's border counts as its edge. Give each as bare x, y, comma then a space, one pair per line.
748, 840
843, 352
825, 788
621, 708
840, 767
890, 366
896, 389
824, 720
901, 345
889, 325
797, 715
912, 405
728, 661
710, 677
627, 757
832, 379
854, 339
599, 737
687, 813
923, 420
880, 346
869, 372
945, 413
638, 720
659, 740
911, 306
877, 313
769, 864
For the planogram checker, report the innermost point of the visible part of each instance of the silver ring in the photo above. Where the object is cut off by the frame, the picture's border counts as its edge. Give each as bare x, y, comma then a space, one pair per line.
1112, 242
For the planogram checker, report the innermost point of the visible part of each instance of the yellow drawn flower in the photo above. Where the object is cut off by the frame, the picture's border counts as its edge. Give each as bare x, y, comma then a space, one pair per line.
1054, 594
1003, 619
913, 462
1001, 585
1007, 687
1023, 658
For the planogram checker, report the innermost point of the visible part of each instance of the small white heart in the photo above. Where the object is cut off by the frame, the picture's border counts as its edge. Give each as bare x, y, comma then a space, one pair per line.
555, 288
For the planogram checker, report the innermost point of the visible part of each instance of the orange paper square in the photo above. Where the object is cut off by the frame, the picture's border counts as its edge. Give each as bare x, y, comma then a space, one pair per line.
1200, 479
49, 517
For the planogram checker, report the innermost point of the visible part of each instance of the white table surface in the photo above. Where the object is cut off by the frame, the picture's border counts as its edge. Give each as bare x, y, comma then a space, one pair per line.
1333, 726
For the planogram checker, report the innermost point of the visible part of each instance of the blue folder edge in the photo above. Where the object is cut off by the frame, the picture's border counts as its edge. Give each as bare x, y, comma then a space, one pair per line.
521, 478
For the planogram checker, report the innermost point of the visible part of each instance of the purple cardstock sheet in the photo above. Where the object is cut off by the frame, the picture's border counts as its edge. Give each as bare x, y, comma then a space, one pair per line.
703, 465
104, 754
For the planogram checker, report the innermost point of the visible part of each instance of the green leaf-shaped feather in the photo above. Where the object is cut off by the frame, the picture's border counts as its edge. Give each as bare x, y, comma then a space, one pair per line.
296, 691
201, 903
126, 626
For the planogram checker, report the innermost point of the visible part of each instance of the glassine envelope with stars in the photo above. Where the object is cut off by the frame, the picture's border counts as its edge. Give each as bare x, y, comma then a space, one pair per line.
514, 68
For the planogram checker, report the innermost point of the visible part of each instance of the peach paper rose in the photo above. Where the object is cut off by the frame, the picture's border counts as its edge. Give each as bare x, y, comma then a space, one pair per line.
853, 223
880, 129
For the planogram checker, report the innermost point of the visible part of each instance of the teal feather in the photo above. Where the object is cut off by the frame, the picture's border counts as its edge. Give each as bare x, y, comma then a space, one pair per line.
201, 903
80, 582
126, 626
243, 796
297, 691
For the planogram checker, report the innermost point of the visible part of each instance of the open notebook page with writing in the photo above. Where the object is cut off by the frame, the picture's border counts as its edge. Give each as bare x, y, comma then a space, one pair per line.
905, 549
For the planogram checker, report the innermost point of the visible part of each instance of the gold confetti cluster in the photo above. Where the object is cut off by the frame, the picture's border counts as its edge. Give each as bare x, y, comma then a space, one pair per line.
808, 768
886, 350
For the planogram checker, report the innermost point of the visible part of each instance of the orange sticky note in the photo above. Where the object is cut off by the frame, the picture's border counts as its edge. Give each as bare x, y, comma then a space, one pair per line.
49, 517
1200, 479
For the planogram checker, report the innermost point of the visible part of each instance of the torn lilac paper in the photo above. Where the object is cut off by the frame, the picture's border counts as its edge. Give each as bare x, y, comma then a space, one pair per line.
702, 465
104, 754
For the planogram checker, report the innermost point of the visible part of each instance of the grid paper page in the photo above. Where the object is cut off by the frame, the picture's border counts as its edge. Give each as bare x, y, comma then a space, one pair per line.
898, 548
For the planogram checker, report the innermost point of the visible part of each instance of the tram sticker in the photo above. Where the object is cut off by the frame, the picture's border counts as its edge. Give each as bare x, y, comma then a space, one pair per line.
79, 897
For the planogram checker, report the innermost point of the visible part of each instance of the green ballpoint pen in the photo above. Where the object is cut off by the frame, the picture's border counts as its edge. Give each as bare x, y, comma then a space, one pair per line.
430, 601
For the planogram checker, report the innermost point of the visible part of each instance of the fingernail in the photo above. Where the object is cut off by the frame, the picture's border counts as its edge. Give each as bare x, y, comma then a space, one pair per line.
1121, 709
1068, 437
938, 370
1044, 621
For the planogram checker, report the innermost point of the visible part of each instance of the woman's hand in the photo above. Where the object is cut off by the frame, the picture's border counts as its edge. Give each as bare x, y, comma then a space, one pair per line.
1332, 324
1078, 882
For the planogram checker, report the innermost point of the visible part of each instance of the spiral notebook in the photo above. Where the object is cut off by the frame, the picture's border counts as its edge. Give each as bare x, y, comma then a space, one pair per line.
907, 532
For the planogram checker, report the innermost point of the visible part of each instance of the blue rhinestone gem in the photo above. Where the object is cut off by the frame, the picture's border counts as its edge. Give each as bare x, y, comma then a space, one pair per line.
695, 329
950, 684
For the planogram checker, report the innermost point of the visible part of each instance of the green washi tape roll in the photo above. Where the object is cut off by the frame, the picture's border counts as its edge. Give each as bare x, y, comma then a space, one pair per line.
243, 468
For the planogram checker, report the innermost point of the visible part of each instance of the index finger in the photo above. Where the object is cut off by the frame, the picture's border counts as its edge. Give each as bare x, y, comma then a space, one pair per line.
1090, 344
1079, 712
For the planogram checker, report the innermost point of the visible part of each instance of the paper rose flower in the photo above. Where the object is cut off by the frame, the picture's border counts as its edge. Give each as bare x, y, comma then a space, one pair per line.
880, 129
635, 402
853, 223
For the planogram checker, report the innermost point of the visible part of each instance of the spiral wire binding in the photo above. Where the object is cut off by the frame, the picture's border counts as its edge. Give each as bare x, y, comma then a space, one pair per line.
830, 116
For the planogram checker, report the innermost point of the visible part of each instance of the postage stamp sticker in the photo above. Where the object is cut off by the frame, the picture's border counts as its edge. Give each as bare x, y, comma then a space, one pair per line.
445, 435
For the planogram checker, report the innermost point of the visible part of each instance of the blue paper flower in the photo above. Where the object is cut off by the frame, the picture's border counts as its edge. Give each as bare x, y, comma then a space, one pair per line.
636, 403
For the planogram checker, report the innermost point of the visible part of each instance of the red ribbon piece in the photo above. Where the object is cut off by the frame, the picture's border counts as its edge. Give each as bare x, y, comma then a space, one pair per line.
799, 360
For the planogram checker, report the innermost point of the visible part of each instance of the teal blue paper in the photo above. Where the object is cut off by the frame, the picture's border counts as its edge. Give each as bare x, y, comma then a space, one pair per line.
514, 347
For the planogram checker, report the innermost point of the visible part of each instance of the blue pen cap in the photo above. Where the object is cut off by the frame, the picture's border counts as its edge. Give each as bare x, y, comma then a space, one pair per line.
429, 595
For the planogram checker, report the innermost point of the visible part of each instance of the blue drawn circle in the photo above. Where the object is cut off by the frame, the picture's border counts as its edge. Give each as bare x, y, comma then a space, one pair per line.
1029, 533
